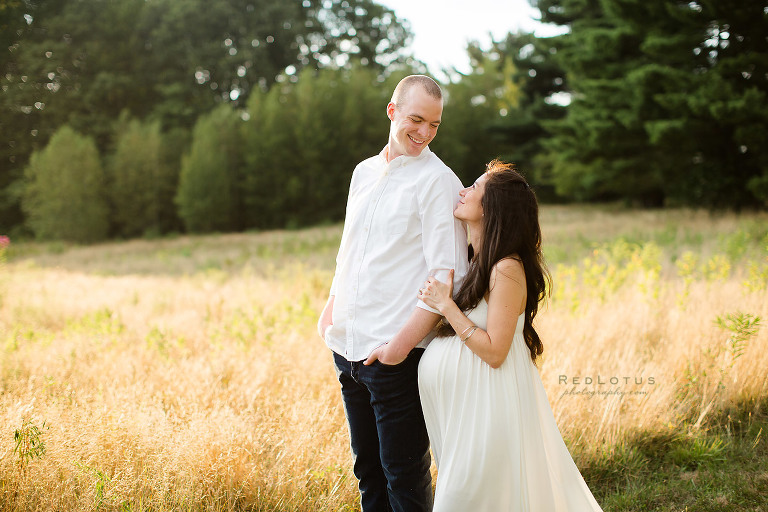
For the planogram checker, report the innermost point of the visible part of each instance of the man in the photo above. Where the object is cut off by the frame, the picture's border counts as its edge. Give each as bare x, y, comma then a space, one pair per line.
399, 228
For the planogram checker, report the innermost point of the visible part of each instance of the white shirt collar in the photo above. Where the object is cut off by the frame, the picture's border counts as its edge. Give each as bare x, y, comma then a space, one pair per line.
403, 159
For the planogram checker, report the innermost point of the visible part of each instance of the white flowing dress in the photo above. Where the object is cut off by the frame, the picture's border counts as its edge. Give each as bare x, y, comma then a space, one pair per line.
494, 437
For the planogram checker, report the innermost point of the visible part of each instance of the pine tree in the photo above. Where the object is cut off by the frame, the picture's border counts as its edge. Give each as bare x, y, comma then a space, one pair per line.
669, 101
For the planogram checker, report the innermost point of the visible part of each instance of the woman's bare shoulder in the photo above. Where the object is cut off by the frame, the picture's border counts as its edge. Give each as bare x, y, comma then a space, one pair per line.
510, 266
508, 269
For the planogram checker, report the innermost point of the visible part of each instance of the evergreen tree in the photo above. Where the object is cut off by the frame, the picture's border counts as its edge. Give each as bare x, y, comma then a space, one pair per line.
711, 88
669, 101
542, 84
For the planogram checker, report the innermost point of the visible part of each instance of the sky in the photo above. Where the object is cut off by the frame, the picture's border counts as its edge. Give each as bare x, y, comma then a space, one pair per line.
442, 28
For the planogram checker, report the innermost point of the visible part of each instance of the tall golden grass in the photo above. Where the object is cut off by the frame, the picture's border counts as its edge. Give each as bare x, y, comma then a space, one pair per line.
185, 374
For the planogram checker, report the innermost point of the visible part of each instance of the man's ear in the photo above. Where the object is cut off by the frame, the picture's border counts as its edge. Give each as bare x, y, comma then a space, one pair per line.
391, 111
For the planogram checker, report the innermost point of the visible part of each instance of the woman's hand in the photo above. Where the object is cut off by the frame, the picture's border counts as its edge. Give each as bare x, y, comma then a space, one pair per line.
437, 294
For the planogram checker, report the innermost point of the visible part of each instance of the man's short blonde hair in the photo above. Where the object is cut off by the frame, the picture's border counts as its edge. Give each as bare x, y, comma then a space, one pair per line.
429, 85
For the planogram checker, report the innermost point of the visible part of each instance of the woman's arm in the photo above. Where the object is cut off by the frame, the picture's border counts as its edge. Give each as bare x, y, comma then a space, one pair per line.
419, 324
505, 303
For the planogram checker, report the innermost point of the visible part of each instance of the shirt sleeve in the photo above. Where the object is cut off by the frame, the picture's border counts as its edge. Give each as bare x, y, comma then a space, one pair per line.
344, 236
444, 238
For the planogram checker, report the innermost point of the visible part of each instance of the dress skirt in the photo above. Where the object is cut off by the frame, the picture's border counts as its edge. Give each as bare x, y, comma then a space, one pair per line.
493, 435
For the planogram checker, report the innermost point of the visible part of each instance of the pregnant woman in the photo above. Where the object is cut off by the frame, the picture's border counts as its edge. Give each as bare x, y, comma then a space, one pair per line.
496, 444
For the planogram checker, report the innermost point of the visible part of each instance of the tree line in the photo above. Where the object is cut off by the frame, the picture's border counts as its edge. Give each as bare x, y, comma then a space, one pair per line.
133, 118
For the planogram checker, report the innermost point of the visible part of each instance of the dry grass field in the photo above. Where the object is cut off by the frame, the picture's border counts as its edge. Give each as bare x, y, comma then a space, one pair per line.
185, 373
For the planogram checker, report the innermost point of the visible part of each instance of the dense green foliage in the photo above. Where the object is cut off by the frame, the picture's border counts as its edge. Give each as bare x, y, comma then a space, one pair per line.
473, 105
141, 184
653, 102
670, 101
499, 109
304, 138
64, 193
83, 63
209, 195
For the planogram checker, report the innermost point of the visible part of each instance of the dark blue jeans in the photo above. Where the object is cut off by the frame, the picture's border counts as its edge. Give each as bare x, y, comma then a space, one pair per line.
390, 446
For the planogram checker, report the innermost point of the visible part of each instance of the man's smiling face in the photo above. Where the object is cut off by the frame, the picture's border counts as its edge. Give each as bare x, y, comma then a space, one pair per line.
414, 122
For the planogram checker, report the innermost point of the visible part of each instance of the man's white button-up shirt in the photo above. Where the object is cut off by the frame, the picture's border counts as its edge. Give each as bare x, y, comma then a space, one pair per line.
399, 227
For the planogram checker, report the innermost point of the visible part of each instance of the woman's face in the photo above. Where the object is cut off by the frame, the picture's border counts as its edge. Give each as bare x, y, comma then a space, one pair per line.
470, 208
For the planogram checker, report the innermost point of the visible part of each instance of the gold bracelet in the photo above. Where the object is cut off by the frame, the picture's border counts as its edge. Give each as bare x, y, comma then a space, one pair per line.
474, 328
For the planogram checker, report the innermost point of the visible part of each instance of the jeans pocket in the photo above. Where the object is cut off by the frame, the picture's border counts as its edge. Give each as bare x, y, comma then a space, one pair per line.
391, 367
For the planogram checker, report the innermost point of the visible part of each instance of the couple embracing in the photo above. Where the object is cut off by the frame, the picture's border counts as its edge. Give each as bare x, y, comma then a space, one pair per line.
433, 338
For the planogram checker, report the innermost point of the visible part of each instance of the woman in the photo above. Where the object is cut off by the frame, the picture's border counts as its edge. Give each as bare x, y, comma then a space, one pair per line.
495, 440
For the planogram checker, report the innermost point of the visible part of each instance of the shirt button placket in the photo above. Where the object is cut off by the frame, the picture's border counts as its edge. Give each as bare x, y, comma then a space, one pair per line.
368, 221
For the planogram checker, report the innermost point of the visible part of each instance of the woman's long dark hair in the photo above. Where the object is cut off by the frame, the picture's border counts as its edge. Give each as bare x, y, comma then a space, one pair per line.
510, 229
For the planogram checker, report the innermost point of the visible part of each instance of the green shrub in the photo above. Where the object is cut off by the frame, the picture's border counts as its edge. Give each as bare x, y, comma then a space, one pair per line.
141, 185
64, 192
208, 196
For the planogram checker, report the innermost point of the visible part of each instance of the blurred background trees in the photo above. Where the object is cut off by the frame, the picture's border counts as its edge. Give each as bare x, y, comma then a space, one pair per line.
251, 114
64, 196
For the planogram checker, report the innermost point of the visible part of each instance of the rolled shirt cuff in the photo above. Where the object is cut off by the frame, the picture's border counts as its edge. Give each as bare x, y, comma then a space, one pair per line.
422, 305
